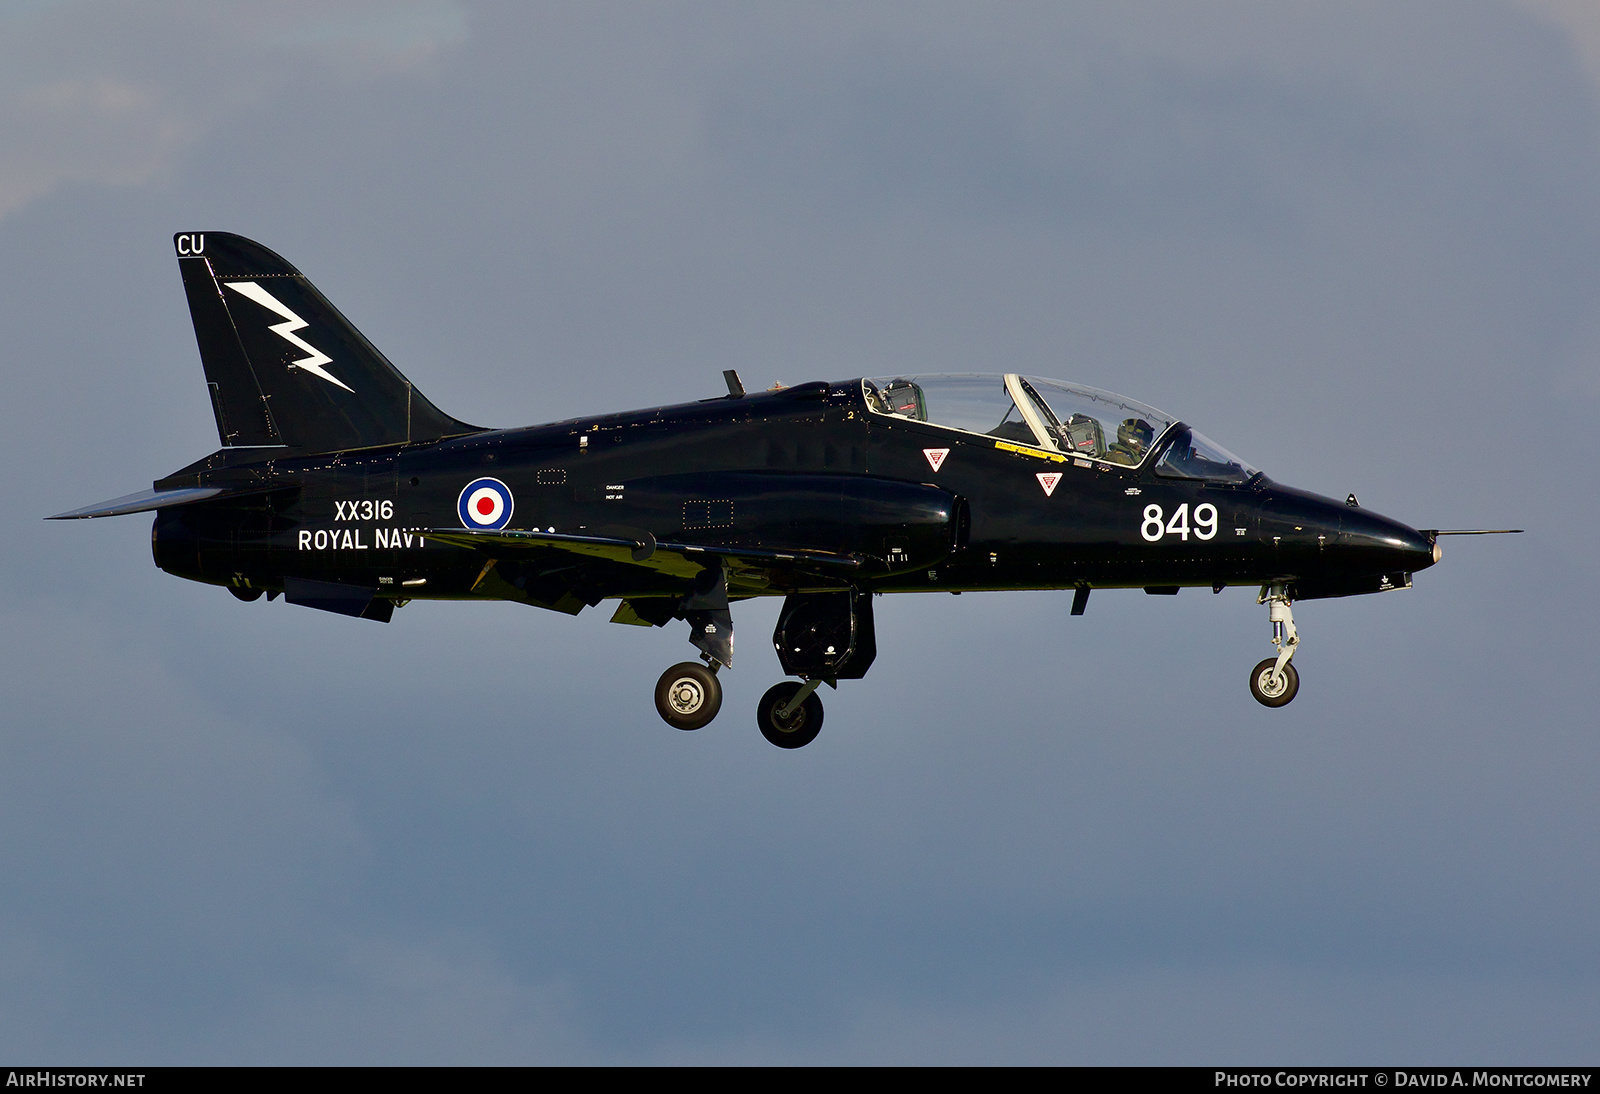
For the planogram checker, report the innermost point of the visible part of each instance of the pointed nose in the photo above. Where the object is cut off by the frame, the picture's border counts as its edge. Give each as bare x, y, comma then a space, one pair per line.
1385, 543
1333, 536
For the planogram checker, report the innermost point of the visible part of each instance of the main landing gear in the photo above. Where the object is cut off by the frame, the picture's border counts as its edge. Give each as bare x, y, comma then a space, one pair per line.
790, 714
1274, 682
688, 695
820, 637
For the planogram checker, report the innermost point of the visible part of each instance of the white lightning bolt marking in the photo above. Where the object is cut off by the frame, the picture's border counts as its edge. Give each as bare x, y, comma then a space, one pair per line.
286, 330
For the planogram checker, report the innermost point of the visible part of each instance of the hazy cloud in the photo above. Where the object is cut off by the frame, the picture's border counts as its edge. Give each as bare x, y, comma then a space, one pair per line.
110, 91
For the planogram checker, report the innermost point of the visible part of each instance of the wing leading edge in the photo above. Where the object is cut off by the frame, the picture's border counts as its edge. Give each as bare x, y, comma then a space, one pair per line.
642, 550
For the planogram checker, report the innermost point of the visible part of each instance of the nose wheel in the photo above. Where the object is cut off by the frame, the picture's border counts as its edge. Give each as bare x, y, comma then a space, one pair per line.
1275, 682
1274, 687
688, 696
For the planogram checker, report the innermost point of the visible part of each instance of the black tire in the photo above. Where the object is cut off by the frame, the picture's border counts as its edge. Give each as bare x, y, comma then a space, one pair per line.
688, 696
800, 728
1270, 693
246, 595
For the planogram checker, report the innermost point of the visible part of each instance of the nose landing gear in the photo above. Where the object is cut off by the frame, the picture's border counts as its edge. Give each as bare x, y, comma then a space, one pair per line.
1275, 682
1274, 687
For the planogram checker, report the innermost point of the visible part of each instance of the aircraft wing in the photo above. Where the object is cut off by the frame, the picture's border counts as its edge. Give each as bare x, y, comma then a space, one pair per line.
641, 549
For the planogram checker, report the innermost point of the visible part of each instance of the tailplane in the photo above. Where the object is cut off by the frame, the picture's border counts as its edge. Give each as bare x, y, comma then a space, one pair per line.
284, 367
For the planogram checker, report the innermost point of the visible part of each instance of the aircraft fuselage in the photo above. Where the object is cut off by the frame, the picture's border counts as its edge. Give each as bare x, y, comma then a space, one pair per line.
805, 468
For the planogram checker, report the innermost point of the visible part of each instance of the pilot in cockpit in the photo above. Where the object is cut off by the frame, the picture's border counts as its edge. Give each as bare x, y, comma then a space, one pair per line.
1133, 438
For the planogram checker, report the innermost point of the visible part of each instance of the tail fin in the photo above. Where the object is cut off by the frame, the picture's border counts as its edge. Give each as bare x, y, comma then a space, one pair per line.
284, 367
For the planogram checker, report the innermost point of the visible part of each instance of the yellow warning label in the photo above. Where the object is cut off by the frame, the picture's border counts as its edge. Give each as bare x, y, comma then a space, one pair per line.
1007, 446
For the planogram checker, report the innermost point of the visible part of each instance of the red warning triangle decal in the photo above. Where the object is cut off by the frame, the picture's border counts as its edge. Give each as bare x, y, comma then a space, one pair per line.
935, 456
1048, 480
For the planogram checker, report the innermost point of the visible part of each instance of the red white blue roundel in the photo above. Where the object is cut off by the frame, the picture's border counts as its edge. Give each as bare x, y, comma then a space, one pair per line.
485, 505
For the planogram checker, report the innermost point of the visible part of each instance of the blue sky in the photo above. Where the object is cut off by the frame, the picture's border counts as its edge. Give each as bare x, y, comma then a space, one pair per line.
1355, 243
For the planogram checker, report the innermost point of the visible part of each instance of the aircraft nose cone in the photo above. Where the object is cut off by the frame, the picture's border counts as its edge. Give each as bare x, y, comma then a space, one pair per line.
1330, 536
1388, 543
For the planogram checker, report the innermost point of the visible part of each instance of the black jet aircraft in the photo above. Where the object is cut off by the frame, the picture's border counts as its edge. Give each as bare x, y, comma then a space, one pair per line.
341, 487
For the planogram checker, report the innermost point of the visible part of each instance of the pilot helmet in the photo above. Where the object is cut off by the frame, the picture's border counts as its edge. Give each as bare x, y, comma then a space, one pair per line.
1135, 433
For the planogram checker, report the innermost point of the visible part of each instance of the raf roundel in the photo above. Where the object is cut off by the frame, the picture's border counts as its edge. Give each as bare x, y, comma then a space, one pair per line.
485, 505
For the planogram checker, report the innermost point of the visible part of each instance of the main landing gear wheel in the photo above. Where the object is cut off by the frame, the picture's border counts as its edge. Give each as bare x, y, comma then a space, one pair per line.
1274, 689
688, 696
800, 728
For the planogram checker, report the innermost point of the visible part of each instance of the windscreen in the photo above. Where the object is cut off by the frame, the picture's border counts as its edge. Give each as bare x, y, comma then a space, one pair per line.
1194, 456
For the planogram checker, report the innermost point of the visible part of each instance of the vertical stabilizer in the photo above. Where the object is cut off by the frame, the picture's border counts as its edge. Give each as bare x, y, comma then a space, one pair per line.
283, 366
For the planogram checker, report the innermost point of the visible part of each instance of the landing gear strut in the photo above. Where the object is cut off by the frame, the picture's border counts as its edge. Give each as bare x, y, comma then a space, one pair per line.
1275, 682
688, 695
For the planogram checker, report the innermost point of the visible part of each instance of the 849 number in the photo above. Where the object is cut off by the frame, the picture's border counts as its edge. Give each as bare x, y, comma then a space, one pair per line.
1154, 527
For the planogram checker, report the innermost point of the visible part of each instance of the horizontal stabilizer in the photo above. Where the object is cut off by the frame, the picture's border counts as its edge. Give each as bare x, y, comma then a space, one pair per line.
147, 501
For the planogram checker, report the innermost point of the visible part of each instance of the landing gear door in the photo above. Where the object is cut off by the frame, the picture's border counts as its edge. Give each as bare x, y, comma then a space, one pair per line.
826, 636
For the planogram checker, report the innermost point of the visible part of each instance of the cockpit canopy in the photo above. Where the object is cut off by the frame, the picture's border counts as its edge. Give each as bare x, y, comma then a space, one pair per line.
1077, 421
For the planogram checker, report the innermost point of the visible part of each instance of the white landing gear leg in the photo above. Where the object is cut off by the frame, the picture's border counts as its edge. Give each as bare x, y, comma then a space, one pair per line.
1274, 682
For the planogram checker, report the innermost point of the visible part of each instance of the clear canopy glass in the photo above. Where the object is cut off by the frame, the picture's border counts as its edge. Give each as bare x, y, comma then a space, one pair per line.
1192, 455
977, 404
1066, 418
